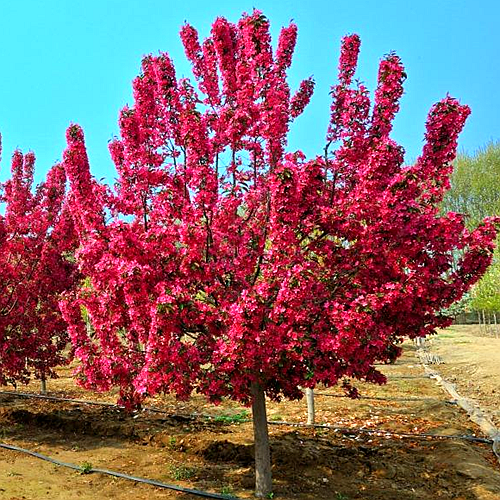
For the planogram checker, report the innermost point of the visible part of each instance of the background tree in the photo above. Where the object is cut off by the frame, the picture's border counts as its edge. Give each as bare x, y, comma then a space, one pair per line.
474, 193
231, 268
36, 238
485, 299
474, 185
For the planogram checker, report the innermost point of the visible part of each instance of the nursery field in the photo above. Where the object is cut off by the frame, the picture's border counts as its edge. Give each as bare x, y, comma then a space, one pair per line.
199, 446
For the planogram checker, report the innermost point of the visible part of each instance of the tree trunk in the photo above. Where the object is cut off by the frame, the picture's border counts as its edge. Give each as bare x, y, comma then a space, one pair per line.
311, 414
420, 342
43, 386
263, 479
496, 324
484, 323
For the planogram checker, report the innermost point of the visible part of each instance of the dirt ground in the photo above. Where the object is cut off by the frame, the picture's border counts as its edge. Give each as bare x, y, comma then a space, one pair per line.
197, 445
472, 363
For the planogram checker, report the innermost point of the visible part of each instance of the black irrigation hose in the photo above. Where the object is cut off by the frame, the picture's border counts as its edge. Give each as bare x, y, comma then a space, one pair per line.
343, 430
381, 433
159, 410
55, 398
152, 482
378, 398
85, 402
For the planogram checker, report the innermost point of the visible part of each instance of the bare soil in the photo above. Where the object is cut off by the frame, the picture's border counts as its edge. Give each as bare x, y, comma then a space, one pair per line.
209, 448
472, 363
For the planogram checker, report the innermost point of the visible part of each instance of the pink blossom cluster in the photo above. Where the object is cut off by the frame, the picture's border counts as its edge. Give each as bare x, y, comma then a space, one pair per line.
221, 260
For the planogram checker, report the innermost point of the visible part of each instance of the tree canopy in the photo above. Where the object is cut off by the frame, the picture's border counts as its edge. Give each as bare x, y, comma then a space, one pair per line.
36, 245
224, 263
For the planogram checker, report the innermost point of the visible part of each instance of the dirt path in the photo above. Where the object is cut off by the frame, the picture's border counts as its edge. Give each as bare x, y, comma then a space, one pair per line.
215, 454
472, 363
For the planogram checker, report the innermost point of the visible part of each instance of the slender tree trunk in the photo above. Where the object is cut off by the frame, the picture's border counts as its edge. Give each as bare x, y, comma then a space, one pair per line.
43, 385
496, 324
311, 414
484, 323
479, 319
88, 326
263, 478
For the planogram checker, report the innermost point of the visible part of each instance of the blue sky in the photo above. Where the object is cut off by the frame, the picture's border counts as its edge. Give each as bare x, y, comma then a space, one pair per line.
64, 61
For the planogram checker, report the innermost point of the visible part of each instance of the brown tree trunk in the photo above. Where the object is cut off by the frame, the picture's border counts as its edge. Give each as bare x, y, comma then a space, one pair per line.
263, 478
43, 386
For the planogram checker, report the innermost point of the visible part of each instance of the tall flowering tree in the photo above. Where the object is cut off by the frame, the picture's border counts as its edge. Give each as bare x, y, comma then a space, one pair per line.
36, 241
223, 264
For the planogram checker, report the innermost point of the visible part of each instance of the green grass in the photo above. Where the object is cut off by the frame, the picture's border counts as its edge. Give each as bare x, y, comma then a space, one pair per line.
86, 468
227, 490
341, 496
234, 418
172, 443
276, 418
182, 472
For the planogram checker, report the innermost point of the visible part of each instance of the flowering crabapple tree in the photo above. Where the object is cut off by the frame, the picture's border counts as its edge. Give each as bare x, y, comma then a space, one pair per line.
223, 264
36, 241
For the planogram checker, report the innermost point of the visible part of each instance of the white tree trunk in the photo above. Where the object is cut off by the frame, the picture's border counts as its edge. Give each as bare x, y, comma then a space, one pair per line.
311, 414
420, 342
263, 478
